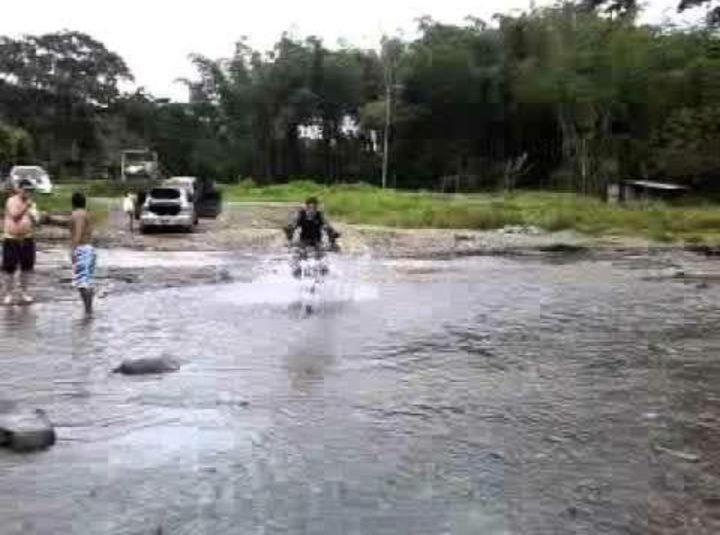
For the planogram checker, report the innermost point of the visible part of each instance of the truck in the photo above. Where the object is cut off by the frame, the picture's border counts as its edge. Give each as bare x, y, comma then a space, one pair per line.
139, 165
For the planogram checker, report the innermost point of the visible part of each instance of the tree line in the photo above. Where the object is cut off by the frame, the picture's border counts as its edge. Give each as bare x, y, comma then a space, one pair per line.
569, 96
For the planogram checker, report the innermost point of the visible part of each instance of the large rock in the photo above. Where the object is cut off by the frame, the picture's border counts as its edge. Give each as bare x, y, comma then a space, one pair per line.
147, 366
25, 431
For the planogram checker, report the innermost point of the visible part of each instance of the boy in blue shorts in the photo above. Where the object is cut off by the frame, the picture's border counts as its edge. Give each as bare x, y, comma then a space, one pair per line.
82, 252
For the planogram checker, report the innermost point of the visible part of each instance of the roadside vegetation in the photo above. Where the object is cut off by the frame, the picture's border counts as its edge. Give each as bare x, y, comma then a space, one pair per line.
697, 222
550, 211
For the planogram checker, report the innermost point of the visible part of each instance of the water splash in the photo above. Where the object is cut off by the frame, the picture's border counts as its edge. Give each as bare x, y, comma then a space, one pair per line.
274, 285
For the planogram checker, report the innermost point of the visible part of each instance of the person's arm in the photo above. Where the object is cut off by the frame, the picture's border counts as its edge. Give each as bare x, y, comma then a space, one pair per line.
72, 237
34, 213
292, 225
332, 234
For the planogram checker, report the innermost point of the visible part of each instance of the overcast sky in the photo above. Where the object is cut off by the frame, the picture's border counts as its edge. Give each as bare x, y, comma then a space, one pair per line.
155, 37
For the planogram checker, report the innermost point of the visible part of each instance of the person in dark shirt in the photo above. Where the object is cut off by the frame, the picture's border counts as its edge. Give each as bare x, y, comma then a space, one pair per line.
311, 223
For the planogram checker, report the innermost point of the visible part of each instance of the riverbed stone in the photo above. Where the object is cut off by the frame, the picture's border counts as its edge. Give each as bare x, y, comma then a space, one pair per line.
26, 430
223, 275
562, 247
147, 366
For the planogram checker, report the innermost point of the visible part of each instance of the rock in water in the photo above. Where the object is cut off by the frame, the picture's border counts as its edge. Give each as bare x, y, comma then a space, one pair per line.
147, 366
25, 431
560, 247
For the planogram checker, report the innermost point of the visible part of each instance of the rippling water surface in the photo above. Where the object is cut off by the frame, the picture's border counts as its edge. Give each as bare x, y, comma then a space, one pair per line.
473, 396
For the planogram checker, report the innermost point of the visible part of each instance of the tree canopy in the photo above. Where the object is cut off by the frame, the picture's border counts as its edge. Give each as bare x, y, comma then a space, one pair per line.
565, 95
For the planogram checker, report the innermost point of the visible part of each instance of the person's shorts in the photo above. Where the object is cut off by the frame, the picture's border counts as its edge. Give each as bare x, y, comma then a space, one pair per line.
18, 254
84, 258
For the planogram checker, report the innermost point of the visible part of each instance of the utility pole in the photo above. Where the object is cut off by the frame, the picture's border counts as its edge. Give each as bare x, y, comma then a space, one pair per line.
388, 59
386, 137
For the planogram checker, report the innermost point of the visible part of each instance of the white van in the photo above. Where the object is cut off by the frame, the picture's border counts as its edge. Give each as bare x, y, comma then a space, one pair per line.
32, 177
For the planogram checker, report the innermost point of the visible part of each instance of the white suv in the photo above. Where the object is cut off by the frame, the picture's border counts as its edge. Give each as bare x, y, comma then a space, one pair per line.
168, 206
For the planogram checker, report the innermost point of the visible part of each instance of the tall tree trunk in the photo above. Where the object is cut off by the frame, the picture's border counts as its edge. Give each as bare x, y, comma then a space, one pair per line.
569, 141
292, 159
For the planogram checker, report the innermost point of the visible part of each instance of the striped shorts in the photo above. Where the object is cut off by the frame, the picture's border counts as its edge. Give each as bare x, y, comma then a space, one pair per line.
84, 258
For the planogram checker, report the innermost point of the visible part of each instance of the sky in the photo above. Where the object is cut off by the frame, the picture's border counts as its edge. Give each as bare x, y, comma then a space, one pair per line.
155, 37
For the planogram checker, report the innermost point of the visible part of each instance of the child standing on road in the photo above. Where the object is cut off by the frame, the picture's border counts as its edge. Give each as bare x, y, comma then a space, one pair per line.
129, 209
82, 253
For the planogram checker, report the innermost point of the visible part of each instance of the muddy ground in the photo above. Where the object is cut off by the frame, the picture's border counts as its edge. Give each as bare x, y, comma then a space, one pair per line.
249, 229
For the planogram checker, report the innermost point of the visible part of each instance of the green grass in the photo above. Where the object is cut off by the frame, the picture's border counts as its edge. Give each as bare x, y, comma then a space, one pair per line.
247, 190
59, 201
551, 211
364, 204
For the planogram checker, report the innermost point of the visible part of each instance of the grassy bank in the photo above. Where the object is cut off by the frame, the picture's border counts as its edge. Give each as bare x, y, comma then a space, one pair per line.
363, 204
547, 210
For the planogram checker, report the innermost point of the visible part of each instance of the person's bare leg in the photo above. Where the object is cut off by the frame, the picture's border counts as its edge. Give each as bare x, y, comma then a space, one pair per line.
86, 294
9, 287
25, 277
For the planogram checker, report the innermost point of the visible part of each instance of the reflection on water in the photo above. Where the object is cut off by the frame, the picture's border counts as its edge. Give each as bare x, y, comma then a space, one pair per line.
473, 396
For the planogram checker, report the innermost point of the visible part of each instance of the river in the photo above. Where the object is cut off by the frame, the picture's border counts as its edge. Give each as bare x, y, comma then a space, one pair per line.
482, 395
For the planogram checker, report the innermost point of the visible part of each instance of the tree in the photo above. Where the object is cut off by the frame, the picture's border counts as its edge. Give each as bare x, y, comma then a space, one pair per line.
263, 101
15, 144
452, 102
69, 65
630, 8
598, 75
687, 147
54, 86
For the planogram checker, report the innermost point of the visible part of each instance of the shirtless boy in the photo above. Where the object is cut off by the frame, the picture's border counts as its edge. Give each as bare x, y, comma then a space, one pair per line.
82, 252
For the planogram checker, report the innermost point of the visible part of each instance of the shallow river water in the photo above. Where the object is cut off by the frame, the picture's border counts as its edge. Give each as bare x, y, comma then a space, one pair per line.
473, 396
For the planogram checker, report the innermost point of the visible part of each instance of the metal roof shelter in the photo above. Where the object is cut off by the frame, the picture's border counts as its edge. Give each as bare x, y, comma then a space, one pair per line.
645, 190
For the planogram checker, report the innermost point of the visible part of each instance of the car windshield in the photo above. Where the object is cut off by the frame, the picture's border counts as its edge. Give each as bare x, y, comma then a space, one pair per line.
165, 193
135, 158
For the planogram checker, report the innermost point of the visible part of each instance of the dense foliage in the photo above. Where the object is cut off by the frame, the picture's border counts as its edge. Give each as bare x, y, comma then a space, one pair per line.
569, 96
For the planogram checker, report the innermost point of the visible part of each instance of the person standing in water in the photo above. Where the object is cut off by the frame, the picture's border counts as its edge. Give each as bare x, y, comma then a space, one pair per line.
21, 215
82, 252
